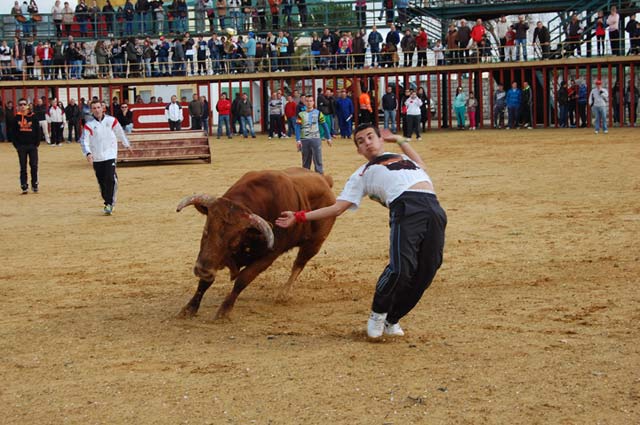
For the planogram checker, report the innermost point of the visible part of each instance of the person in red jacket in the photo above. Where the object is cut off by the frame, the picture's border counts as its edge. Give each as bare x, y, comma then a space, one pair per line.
45, 54
224, 110
290, 113
477, 33
422, 42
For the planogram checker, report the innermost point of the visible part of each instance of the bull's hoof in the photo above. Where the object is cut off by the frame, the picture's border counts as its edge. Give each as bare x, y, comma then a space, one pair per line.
186, 313
222, 315
283, 297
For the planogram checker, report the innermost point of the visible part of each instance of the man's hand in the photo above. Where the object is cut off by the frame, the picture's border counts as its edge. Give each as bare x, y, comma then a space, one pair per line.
90, 158
286, 219
329, 142
298, 145
389, 137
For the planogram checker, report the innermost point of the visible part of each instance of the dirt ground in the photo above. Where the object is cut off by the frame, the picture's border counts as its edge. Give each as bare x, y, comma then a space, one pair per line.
533, 318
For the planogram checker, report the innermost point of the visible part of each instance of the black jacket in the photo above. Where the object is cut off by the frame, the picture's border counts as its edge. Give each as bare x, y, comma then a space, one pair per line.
389, 102
26, 130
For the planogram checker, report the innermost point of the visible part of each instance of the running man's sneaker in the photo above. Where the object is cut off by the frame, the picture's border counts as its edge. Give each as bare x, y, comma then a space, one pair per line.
34, 188
25, 189
108, 209
375, 324
393, 330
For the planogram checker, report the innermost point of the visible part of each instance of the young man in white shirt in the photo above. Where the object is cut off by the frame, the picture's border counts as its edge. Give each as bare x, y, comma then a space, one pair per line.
99, 144
173, 113
399, 182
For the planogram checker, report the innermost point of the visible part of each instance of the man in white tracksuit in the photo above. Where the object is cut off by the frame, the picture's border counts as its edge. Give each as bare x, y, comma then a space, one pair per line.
99, 143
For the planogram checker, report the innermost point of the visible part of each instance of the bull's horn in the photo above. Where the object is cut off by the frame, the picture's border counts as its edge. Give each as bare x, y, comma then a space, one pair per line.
264, 227
196, 200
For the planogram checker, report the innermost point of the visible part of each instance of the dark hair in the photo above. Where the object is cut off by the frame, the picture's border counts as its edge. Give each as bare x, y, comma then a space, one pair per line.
363, 127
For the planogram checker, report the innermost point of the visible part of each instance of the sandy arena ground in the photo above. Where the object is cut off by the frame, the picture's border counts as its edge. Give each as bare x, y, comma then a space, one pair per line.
533, 318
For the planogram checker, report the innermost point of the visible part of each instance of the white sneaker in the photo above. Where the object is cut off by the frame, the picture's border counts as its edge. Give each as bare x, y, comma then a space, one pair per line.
393, 330
375, 324
606, 131
596, 131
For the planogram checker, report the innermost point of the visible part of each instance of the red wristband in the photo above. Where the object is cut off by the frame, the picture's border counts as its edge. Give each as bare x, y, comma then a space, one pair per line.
300, 216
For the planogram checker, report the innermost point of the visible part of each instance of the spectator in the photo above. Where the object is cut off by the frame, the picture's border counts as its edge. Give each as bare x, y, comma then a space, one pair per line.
499, 105
163, 48
129, 15
246, 116
438, 53
464, 37
205, 115
452, 44
125, 118
389, 107
67, 18
290, 112
424, 108
302, 10
563, 100
631, 98
571, 105
525, 106
358, 49
201, 55
308, 139
422, 43
472, 104
510, 45
26, 139
582, 103
402, 6
600, 33
374, 39
543, 38
574, 35
634, 35
460, 107
82, 16
173, 113
3, 123
275, 116
365, 110
195, 112
40, 114
408, 46
413, 104
72, 112
599, 101
199, 11
250, 50
56, 15
224, 110
361, 13
478, 32
514, 100
501, 28
388, 11
56, 117
109, 15
344, 113
274, 7
521, 27
613, 22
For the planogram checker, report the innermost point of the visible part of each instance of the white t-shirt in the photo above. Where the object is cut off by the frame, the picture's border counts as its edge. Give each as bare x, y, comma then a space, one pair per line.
383, 181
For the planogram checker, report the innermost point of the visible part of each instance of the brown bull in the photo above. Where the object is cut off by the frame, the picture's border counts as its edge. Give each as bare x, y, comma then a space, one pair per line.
238, 233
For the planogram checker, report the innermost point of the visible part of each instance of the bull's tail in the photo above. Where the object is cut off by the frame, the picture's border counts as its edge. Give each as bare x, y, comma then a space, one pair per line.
328, 179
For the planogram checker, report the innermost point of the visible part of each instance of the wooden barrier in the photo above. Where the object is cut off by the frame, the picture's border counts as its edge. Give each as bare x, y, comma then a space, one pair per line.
165, 146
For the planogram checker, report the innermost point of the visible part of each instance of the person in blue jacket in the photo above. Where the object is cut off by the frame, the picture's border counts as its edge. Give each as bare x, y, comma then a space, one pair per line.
344, 106
514, 98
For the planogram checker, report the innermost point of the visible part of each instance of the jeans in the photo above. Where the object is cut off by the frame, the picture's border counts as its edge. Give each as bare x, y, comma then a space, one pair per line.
247, 122
562, 109
312, 152
460, 115
514, 116
390, 120
224, 119
521, 42
3, 131
601, 117
29, 152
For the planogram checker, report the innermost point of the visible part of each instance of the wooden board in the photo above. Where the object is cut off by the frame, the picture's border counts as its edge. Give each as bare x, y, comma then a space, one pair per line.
166, 146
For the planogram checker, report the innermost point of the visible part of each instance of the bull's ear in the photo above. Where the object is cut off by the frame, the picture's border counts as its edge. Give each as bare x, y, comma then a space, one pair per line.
200, 201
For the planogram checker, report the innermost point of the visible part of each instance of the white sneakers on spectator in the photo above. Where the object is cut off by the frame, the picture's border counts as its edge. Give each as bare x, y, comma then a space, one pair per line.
377, 325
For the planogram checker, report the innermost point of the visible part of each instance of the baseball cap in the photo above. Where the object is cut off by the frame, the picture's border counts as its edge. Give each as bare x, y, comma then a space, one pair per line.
598, 82
162, 38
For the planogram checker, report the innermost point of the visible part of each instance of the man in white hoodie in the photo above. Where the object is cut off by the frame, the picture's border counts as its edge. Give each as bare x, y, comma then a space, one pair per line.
100, 146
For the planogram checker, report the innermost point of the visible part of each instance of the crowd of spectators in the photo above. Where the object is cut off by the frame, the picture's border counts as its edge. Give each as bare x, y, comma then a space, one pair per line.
139, 48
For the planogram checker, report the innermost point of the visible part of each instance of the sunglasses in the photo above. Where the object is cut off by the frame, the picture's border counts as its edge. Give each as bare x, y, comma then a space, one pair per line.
22, 104
123, 107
